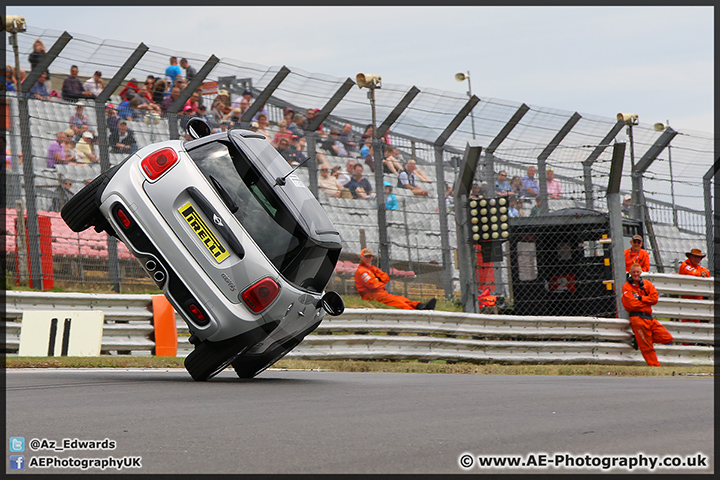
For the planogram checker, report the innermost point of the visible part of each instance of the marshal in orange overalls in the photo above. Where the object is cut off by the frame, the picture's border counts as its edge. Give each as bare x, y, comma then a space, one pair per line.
638, 301
370, 282
688, 267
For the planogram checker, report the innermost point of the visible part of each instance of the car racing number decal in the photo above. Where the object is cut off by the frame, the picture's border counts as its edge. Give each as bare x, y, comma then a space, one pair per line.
206, 236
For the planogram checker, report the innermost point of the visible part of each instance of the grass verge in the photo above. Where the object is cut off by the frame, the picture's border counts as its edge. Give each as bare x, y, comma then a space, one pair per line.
375, 366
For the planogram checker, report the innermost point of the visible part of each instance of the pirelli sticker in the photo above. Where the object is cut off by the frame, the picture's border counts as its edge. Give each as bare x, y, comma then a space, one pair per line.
206, 236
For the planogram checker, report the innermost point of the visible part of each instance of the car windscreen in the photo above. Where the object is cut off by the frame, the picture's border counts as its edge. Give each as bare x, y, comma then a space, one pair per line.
263, 215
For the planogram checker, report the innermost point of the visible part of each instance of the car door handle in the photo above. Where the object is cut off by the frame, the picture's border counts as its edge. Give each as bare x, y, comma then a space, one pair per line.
216, 219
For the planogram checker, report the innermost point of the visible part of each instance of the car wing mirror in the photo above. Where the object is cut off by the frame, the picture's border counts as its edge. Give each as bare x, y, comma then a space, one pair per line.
198, 128
333, 303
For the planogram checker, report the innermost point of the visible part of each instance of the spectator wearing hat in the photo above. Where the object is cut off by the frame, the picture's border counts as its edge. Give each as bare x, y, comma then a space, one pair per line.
72, 88
391, 202
122, 140
554, 190
202, 114
370, 283
78, 118
637, 254
94, 84
692, 266
626, 205
85, 149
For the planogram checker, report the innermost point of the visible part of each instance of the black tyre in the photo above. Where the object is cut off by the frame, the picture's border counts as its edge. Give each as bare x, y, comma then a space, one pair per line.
82, 211
208, 359
249, 366
252, 366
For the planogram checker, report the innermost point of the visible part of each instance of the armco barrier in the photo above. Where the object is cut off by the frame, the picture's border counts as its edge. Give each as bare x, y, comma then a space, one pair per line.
400, 334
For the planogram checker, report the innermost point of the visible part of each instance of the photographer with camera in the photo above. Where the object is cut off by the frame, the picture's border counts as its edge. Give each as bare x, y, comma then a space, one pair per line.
638, 298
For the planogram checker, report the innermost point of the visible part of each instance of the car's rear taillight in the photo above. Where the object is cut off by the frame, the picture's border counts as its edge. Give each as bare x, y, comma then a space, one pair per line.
261, 294
159, 162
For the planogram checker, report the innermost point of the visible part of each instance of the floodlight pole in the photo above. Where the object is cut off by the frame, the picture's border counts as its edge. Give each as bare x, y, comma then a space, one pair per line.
379, 187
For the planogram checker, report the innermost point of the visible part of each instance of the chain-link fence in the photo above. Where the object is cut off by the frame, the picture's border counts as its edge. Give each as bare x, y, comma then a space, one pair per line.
428, 126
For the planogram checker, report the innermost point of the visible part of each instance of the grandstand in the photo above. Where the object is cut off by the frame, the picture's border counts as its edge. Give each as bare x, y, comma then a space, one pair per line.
413, 230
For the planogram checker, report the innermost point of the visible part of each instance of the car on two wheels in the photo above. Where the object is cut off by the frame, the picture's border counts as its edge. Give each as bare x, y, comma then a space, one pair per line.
238, 244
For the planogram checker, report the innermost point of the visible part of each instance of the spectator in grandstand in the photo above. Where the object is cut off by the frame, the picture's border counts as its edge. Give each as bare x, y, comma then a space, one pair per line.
391, 202
366, 148
475, 192
70, 152
172, 71
10, 81
282, 132
449, 198
370, 283
85, 149
202, 114
346, 177
111, 118
517, 186
637, 254
125, 111
193, 102
627, 199
513, 211
122, 140
78, 119
72, 88
190, 71
170, 99
536, 210
368, 134
408, 180
218, 111
150, 83
233, 119
638, 297
79, 133
94, 84
283, 149
158, 91
56, 151
333, 145
502, 186
531, 186
328, 184
297, 149
37, 55
360, 186
297, 127
347, 137
289, 114
187, 114
263, 124
39, 90
310, 115
390, 163
141, 105
63, 193
554, 190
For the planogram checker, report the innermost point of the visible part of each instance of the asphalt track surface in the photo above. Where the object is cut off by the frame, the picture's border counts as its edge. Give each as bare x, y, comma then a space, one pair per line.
323, 422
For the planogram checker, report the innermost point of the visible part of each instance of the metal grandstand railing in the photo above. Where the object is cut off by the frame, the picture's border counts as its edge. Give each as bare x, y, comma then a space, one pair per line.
680, 221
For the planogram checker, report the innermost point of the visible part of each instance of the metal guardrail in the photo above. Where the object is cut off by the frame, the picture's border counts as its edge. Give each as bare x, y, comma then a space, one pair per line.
671, 285
399, 334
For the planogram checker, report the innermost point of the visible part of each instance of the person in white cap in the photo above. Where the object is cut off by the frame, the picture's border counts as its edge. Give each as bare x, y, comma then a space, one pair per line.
85, 149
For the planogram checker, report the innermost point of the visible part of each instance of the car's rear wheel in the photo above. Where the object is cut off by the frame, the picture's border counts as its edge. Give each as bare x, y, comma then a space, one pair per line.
252, 366
82, 210
208, 359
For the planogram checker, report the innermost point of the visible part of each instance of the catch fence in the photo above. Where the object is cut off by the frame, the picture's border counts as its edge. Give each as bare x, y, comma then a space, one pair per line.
417, 242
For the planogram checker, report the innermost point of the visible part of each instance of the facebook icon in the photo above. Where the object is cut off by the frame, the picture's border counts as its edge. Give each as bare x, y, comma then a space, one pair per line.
17, 462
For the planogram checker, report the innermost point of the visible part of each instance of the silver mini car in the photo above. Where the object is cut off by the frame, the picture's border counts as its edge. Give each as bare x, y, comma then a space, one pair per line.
239, 245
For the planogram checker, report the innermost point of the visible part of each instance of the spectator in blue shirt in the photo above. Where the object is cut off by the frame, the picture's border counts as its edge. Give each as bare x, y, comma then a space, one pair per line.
391, 202
502, 186
531, 187
39, 90
172, 71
